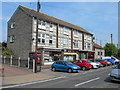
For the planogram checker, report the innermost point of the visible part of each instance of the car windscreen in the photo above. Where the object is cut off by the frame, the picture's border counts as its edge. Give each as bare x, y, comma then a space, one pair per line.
100, 60
69, 63
88, 61
118, 66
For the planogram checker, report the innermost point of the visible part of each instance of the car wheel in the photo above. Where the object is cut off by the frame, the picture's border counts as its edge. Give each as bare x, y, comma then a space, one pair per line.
53, 69
69, 70
83, 68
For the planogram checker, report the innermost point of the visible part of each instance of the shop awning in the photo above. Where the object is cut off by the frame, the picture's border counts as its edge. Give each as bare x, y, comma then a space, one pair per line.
70, 54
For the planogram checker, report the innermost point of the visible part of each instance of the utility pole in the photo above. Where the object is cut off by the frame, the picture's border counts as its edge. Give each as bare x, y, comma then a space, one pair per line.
101, 46
111, 45
36, 47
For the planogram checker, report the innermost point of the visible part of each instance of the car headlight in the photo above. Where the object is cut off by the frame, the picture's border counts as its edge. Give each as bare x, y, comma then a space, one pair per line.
74, 67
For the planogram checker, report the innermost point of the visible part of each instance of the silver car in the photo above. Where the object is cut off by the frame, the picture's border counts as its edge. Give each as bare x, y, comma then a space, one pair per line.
115, 73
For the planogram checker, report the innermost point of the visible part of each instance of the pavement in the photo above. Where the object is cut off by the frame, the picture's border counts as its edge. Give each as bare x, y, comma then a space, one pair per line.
14, 75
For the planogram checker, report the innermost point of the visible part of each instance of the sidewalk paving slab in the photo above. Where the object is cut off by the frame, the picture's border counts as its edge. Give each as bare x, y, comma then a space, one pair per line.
13, 76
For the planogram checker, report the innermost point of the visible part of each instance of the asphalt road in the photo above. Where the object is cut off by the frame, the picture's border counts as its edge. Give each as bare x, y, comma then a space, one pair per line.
96, 78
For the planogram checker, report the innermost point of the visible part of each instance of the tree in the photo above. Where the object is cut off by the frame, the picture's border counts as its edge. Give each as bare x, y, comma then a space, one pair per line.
4, 44
6, 53
110, 50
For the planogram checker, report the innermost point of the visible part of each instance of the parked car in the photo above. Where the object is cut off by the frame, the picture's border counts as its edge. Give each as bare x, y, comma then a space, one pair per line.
115, 73
110, 60
84, 64
100, 65
94, 64
64, 66
113, 58
102, 62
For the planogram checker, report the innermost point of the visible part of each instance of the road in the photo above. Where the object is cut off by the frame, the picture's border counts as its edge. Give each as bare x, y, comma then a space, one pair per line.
96, 78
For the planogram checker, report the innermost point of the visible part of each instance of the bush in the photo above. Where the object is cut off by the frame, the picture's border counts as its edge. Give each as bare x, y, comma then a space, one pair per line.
6, 53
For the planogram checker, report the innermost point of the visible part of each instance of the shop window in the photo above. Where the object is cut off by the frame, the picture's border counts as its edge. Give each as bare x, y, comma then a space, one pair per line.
13, 25
12, 38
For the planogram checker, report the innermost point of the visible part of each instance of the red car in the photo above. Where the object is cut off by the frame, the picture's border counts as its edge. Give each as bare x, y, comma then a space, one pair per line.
103, 62
83, 64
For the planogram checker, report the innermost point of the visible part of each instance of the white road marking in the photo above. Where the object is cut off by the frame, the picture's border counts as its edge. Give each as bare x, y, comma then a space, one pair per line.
33, 82
87, 81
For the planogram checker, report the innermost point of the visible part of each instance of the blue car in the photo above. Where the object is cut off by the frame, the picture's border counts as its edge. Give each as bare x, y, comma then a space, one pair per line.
64, 66
110, 60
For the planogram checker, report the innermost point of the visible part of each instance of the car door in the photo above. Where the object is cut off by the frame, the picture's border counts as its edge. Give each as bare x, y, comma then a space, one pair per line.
61, 66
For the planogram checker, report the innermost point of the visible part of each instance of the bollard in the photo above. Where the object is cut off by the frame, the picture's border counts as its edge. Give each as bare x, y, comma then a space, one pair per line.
34, 65
28, 62
11, 60
18, 61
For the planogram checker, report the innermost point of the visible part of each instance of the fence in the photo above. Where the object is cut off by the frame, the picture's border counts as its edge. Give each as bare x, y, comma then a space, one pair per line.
18, 62
15, 61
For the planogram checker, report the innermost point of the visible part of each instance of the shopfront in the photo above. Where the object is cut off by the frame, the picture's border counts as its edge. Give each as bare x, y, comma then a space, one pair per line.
86, 54
51, 55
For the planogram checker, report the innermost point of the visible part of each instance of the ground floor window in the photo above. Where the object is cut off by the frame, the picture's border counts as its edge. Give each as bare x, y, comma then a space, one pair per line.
69, 58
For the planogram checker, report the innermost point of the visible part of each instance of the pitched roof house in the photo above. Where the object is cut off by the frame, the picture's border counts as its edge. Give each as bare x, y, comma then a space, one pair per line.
57, 39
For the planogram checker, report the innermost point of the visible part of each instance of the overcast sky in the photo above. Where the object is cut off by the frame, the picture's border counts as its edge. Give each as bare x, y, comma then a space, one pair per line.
99, 18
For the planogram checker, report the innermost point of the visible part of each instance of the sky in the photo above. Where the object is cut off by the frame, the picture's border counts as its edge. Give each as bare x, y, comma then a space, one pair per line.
98, 18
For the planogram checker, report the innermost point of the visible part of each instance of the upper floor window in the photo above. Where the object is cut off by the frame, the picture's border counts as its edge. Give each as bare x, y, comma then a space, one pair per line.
76, 43
50, 40
41, 38
76, 32
12, 25
51, 25
39, 22
12, 38
65, 29
43, 23
85, 45
88, 45
66, 42
98, 53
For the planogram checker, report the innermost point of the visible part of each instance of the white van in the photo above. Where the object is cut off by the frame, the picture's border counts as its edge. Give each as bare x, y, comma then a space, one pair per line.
113, 58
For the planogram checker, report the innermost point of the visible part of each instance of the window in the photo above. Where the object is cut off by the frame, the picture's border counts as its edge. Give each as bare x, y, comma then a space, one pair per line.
65, 29
50, 40
76, 43
80, 61
85, 44
13, 25
98, 53
76, 32
88, 45
43, 23
101, 53
12, 38
66, 42
41, 38
39, 22
51, 25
